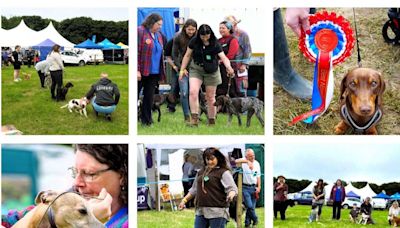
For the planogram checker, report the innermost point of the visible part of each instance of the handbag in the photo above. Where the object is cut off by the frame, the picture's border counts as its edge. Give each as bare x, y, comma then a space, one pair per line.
210, 64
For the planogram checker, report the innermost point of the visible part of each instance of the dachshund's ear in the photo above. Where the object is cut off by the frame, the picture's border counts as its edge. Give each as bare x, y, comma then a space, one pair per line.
343, 87
381, 89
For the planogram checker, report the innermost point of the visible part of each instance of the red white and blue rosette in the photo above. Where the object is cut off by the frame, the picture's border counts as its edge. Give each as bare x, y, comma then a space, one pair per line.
328, 42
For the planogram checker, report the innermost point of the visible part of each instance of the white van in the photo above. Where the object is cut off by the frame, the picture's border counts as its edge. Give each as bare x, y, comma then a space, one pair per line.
95, 56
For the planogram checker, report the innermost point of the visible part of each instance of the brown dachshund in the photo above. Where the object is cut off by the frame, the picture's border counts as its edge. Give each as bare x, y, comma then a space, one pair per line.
395, 221
361, 95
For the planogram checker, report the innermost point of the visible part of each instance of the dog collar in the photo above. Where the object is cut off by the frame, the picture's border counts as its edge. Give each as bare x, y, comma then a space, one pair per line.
360, 129
50, 216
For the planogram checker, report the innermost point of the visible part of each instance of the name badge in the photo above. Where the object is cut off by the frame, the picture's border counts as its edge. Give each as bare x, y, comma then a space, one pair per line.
208, 57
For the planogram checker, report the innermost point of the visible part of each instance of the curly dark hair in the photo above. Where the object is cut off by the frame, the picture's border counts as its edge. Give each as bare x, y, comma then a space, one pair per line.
151, 20
211, 151
114, 156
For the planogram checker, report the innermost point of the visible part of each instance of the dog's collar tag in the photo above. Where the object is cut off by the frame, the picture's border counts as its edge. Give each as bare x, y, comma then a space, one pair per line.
360, 129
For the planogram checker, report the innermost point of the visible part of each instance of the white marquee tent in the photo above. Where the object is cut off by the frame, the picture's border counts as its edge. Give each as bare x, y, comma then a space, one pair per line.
24, 36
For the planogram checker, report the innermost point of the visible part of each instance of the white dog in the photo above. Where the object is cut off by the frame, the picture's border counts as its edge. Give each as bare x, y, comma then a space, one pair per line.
77, 105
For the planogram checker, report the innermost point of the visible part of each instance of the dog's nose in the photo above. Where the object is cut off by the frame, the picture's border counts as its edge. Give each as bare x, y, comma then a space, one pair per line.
365, 109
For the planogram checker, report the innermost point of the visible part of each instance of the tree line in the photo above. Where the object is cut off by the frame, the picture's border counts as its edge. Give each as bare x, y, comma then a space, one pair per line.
390, 188
76, 30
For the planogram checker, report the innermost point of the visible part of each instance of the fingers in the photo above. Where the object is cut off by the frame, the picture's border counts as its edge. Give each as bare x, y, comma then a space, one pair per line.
297, 19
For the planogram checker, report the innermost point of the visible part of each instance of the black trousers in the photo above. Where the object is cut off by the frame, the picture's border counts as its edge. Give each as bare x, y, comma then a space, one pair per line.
281, 207
222, 89
41, 77
337, 206
186, 186
149, 84
56, 79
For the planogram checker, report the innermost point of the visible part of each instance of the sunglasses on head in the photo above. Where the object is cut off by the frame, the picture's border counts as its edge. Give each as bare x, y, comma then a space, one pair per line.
205, 32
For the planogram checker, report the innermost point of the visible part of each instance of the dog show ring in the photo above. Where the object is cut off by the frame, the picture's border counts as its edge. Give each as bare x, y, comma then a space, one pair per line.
328, 42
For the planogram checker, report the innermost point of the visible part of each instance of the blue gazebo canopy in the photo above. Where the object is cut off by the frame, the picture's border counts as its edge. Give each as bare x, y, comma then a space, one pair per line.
45, 48
89, 45
352, 194
381, 196
168, 15
395, 196
107, 44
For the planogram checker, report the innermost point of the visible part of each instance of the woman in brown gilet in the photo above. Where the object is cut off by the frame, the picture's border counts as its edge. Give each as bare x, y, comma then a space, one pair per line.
213, 189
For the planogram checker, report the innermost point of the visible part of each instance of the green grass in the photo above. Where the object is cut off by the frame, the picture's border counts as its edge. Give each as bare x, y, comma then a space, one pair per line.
185, 218
375, 54
297, 216
173, 124
31, 110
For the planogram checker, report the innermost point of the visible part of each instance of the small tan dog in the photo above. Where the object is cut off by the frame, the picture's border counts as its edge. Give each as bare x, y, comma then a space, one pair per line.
26, 76
395, 221
67, 210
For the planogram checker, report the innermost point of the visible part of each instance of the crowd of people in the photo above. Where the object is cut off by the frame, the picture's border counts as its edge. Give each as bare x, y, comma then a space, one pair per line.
358, 214
198, 62
214, 188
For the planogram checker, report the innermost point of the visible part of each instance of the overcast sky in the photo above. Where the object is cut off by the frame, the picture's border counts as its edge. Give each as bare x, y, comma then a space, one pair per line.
377, 163
59, 14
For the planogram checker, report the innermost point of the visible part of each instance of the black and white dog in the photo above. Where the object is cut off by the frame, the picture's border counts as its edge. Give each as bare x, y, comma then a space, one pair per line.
61, 93
77, 105
238, 105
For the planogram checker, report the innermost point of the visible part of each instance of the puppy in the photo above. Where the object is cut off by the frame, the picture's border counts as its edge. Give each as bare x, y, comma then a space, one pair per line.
77, 105
361, 98
238, 105
313, 213
62, 93
26, 76
63, 210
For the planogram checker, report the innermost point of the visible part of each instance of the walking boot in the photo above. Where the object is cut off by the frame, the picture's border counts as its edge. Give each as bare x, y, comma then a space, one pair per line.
194, 122
284, 74
211, 122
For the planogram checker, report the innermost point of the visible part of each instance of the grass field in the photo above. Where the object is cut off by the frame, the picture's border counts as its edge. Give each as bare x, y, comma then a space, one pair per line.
297, 216
185, 218
30, 108
375, 53
173, 124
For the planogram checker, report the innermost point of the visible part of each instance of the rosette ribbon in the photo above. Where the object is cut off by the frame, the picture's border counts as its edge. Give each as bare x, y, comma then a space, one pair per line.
328, 42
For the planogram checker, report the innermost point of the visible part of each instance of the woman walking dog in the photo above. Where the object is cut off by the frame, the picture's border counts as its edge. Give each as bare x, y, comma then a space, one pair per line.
203, 70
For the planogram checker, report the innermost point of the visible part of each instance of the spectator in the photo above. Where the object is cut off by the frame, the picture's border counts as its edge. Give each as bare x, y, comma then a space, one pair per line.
56, 71
16, 59
338, 194
280, 196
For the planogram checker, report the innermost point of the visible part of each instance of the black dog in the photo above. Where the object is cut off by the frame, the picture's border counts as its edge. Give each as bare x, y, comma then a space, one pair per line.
203, 104
61, 93
158, 100
238, 105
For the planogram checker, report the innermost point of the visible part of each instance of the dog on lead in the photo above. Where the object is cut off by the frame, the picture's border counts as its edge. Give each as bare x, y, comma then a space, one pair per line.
158, 100
62, 210
77, 105
238, 105
361, 99
62, 93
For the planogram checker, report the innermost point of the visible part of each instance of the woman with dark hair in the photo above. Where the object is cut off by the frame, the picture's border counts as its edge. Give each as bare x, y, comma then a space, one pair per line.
16, 59
150, 62
338, 193
203, 69
180, 43
99, 166
100, 175
230, 46
56, 71
213, 188
319, 197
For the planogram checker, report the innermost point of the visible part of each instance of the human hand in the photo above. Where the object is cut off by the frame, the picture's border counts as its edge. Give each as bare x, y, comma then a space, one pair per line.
139, 76
181, 205
176, 69
258, 189
230, 72
183, 73
230, 196
297, 19
101, 206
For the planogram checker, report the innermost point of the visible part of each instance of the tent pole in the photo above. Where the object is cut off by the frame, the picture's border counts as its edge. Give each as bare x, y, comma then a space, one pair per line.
239, 198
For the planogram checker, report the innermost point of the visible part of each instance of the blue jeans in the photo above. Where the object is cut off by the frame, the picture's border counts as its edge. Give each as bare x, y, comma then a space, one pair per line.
102, 109
184, 95
250, 204
201, 222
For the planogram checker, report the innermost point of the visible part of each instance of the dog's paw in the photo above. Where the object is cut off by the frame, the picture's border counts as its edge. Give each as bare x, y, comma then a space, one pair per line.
341, 128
